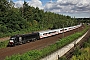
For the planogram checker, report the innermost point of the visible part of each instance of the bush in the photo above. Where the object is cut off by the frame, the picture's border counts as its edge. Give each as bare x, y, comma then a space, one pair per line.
4, 44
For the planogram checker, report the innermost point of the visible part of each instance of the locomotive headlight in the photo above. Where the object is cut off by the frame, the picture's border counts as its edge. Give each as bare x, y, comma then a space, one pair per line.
11, 40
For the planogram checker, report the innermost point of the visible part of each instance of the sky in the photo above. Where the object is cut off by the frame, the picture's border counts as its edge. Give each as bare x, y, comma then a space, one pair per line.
73, 8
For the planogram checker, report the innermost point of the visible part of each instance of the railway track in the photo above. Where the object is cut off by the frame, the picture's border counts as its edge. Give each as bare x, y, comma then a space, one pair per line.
70, 53
33, 45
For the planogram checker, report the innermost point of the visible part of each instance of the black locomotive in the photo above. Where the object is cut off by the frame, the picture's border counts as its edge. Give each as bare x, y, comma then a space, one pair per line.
22, 39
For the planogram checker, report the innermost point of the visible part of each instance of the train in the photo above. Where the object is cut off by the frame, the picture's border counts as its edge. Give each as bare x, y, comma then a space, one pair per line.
24, 38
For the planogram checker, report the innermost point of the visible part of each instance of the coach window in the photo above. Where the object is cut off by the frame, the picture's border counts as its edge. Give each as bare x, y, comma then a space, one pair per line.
45, 34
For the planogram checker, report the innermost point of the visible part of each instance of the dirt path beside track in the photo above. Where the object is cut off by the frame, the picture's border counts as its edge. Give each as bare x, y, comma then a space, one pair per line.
4, 38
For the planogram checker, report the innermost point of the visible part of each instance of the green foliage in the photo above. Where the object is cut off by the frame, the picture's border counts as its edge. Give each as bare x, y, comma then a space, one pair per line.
3, 44
27, 19
87, 44
63, 58
14, 57
83, 54
37, 54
